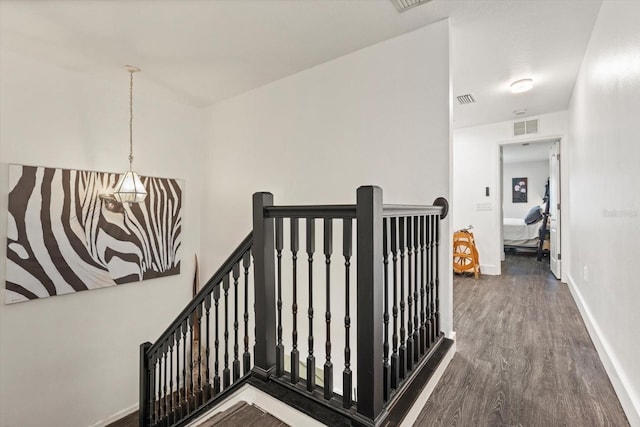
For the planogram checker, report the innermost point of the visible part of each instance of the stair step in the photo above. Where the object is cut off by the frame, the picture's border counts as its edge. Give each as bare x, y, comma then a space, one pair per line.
243, 414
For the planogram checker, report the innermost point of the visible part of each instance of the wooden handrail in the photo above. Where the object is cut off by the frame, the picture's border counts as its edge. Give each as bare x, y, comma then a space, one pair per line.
310, 211
207, 289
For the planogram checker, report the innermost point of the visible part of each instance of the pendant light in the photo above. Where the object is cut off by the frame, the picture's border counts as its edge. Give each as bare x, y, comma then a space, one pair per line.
129, 188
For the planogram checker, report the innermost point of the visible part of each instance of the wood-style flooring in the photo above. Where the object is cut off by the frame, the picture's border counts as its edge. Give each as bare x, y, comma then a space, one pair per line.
524, 357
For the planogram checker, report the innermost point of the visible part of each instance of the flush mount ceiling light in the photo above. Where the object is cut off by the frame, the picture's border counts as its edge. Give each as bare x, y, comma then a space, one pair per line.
521, 85
520, 112
129, 188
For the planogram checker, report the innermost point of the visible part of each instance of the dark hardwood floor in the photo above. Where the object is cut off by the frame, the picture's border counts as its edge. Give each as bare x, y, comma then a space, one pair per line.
524, 357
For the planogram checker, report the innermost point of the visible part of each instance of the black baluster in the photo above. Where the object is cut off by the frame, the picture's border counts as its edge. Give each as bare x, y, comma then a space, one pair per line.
279, 346
185, 383
437, 284
416, 320
432, 329
385, 361
311, 360
152, 394
295, 356
403, 331
409, 295
328, 366
164, 387
236, 360
178, 399
216, 343
347, 375
423, 336
246, 263
159, 410
226, 373
395, 358
171, 408
191, 382
198, 314
207, 373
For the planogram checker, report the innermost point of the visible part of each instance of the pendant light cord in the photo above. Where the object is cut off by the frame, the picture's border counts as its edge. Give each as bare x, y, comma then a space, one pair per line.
130, 120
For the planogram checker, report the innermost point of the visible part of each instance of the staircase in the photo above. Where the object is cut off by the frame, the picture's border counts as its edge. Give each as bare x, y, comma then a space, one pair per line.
265, 313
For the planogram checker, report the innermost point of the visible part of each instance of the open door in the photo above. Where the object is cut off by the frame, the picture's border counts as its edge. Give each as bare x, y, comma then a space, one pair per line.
554, 210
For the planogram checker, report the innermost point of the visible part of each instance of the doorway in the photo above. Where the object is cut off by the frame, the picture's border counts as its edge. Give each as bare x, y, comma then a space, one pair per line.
530, 199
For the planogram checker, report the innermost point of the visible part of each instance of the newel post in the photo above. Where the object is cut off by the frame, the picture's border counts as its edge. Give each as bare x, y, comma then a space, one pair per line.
145, 386
370, 301
265, 288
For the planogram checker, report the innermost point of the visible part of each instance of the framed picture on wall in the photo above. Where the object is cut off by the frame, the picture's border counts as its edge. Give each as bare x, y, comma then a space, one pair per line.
519, 190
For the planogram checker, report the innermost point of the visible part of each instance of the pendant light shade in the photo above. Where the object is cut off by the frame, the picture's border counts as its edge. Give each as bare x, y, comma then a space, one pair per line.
129, 188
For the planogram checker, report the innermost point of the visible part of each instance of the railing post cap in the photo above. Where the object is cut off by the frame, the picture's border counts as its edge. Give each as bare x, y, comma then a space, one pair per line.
444, 204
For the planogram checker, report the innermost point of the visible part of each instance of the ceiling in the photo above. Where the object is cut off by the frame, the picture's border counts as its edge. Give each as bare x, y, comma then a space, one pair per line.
200, 52
527, 152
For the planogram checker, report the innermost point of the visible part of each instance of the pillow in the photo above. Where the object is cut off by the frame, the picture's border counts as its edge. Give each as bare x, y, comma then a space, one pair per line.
533, 216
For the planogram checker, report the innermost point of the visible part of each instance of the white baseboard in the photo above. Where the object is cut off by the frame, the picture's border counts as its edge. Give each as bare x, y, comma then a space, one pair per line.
417, 407
630, 402
115, 417
489, 269
253, 396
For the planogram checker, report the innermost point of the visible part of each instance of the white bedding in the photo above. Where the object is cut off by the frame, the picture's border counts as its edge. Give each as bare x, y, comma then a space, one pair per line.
516, 229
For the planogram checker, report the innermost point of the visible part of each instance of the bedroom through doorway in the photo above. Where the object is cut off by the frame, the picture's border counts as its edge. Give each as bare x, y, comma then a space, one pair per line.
530, 200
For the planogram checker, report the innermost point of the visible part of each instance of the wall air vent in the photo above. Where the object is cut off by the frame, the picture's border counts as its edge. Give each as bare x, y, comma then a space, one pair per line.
466, 99
525, 127
403, 5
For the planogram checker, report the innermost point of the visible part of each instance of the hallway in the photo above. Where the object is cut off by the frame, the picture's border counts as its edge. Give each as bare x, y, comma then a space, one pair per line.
524, 357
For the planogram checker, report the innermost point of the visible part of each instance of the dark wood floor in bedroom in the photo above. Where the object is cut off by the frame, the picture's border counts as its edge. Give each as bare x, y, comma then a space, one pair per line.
524, 357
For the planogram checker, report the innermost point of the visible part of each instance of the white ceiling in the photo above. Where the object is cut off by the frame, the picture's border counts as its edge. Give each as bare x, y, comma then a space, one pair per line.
199, 52
526, 152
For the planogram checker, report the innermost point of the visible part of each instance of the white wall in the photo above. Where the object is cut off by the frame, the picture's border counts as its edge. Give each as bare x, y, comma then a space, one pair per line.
72, 360
476, 165
605, 200
536, 173
378, 116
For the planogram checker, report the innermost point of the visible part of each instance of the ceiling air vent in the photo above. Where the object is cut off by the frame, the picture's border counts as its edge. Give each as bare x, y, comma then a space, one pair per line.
403, 5
525, 127
466, 99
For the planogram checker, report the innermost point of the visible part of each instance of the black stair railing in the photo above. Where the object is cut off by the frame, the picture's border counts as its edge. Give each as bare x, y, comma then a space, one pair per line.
176, 380
393, 310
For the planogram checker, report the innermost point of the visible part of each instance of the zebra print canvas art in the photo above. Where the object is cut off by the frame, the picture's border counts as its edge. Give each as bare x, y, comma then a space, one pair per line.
64, 237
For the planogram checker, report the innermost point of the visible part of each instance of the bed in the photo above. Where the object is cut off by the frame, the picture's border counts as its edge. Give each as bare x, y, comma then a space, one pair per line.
518, 234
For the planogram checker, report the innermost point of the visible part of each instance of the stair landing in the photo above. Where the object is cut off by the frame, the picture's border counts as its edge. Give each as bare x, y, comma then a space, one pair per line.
243, 414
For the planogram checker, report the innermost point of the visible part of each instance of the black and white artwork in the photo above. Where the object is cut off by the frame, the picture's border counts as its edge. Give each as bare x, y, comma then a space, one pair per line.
64, 235
519, 189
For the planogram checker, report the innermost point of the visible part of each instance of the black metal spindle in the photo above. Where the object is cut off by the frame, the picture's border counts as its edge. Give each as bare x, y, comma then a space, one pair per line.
311, 360
423, 346
279, 346
385, 361
403, 331
416, 320
295, 356
226, 373
207, 373
236, 297
395, 358
216, 343
409, 295
347, 375
328, 366
246, 357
